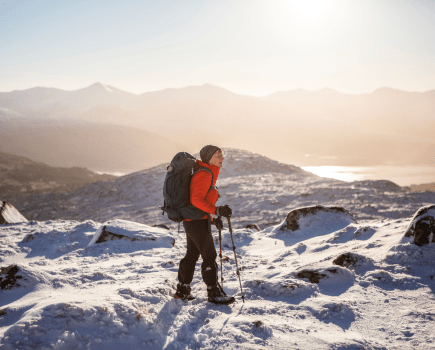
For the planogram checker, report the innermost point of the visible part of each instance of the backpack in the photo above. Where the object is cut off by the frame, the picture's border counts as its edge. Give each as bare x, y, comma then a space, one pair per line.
176, 189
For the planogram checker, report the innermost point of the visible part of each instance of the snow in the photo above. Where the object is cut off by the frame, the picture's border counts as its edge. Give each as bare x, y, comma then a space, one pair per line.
132, 231
9, 214
118, 294
78, 294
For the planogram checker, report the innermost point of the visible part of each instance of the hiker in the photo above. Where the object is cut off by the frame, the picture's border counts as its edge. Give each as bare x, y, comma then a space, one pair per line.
198, 232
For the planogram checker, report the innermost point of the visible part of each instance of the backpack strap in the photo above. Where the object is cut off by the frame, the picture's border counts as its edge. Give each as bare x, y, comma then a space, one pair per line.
212, 178
211, 187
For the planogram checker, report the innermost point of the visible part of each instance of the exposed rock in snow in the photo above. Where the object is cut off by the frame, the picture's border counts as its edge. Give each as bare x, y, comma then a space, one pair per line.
347, 259
132, 231
9, 277
422, 226
252, 226
9, 214
304, 218
312, 276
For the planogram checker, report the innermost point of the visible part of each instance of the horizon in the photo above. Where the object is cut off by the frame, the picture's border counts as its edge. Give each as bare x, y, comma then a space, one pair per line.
217, 86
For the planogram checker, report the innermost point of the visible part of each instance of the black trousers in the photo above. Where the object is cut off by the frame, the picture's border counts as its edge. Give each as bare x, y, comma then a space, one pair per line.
199, 242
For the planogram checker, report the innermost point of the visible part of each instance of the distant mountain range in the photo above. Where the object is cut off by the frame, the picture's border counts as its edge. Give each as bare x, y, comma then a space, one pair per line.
300, 127
20, 176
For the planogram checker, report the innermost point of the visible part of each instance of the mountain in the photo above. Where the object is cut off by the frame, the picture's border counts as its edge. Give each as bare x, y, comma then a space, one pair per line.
41, 100
96, 146
20, 176
308, 128
258, 189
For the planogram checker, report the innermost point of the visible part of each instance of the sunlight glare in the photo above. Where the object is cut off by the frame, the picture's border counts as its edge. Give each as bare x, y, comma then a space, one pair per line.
310, 13
337, 172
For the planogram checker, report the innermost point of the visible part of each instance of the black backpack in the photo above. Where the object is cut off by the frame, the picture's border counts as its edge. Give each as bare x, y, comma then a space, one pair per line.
176, 189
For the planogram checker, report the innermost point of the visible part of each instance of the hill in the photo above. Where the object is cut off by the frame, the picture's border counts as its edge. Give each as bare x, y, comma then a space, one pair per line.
20, 176
424, 187
99, 147
258, 188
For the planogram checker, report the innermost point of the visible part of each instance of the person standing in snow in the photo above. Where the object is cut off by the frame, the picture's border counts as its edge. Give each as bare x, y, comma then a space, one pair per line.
198, 233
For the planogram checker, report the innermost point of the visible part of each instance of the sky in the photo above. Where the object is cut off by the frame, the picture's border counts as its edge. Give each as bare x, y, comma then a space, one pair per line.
252, 47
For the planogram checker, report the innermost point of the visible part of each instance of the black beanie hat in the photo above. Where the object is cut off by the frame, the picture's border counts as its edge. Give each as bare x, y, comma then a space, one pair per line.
207, 152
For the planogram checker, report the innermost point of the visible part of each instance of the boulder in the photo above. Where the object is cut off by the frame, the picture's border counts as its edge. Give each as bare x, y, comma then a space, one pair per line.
132, 231
422, 226
9, 214
253, 226
346, 259
8, 277
293, 220
312, 276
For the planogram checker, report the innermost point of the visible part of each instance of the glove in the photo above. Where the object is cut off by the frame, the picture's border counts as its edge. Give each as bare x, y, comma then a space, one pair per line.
218, 222
224, 210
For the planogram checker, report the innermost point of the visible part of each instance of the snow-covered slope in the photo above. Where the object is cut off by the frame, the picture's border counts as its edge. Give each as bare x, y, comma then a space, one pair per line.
259, 190
117, 294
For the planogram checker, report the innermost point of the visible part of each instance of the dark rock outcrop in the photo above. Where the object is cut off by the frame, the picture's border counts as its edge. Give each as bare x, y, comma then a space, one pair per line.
313, 276
292, 220
8, 277
422, 226
346, 260
253, 226
110, 236
118, 229
9, 214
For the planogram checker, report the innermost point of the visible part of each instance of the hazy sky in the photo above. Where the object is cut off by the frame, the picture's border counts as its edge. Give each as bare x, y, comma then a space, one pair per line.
247, 46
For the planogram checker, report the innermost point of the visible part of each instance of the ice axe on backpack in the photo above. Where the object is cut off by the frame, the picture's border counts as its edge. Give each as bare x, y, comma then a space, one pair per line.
235, 257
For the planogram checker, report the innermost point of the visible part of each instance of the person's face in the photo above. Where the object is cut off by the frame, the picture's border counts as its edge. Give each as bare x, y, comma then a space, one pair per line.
217, 159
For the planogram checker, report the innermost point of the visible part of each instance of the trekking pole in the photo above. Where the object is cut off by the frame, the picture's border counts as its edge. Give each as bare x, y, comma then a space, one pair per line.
220, 255
235, 257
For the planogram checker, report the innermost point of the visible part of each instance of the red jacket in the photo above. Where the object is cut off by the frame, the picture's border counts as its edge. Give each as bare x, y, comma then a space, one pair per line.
200, 196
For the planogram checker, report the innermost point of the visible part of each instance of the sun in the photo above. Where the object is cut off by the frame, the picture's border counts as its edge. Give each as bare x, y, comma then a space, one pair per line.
309, 13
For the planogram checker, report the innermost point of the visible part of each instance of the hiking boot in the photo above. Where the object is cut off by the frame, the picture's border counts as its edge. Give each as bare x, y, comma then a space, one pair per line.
183, 292
217, 295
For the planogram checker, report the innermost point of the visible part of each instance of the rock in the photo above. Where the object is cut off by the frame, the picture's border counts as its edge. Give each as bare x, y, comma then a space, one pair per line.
313, 276
422, 226
8, 277
162, 226
28, 238
132, 231
346, 260
252, 226
9, 214
110, 236
293, 217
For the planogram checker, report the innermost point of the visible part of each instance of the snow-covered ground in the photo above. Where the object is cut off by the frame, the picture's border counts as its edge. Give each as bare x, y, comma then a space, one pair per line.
77, 294
117, 294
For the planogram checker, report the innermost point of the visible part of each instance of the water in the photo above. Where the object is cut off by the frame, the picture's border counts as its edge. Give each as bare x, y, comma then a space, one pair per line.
401, 175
